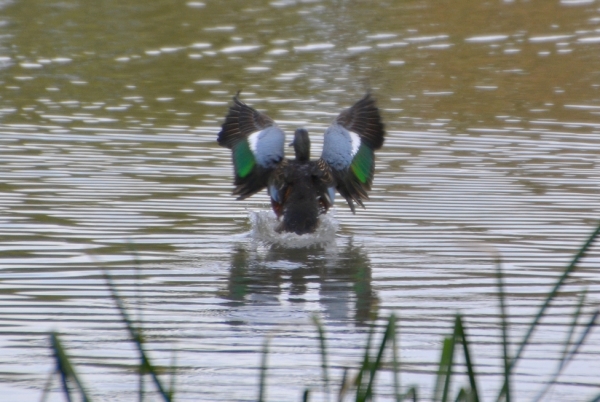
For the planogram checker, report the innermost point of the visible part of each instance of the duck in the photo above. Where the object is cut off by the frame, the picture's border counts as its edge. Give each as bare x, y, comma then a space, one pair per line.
302, 189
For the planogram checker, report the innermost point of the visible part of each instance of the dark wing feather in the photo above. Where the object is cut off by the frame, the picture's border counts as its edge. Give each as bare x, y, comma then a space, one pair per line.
364, 119
257, 147
241, 121
325, 183
349, 148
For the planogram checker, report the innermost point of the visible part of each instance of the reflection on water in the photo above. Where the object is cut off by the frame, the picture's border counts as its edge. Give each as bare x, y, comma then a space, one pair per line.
279, 274
109, 113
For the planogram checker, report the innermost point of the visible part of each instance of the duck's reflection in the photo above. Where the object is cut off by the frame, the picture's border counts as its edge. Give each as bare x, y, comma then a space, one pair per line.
340, 276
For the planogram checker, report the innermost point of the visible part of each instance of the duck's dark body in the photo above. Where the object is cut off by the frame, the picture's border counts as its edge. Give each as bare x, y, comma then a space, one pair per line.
302, 189
300, 205
299, 189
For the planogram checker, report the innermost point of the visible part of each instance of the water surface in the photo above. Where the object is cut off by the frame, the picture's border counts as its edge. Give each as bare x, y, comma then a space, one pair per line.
108, 121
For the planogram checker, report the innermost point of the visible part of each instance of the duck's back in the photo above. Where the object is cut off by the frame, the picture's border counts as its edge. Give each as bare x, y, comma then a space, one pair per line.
300, 197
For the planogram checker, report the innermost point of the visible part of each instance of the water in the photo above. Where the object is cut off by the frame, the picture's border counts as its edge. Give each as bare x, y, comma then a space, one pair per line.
108, 121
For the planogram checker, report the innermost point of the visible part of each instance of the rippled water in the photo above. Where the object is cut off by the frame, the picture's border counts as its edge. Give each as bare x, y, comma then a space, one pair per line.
108, 122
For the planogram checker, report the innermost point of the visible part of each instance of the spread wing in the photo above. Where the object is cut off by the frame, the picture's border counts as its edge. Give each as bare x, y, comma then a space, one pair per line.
256, 144
348, 149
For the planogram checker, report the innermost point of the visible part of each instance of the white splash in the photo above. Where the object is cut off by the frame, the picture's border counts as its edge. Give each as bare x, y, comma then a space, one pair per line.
265, 223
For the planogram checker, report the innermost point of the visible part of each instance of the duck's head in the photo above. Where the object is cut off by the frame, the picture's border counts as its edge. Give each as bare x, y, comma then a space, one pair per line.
301, 145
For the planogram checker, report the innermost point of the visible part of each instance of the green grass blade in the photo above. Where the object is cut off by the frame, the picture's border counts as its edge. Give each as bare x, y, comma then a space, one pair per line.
442, 382
596, 399
305, 395
139, 313
395, 360
567, 343
141, 386
504, 328
462, 336
173, 371
262, 391
323, 347
569, 356
137, 339
377, 364
570, 268
447, 382
585, 333
47, 386
573, 325
462, 396
360, 394
65, 368
344, 386
411, 393
138, 280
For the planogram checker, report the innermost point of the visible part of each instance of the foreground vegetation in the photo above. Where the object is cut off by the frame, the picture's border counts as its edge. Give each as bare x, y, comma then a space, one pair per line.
361, 386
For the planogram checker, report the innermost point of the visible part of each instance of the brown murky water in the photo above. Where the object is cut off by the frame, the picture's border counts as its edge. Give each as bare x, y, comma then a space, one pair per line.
108, 119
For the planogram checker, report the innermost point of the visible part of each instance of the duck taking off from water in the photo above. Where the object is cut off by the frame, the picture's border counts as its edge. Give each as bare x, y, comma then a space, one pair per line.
301, 189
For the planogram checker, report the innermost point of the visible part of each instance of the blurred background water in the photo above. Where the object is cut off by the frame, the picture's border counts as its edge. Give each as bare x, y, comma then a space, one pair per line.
108, 119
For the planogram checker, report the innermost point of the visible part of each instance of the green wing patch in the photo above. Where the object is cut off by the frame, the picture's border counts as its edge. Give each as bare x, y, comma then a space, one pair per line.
243, 159
362, 164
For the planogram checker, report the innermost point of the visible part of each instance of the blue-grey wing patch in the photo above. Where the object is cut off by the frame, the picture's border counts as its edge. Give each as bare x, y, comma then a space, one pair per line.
340, 146
267, 146
257, 146
348, 149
